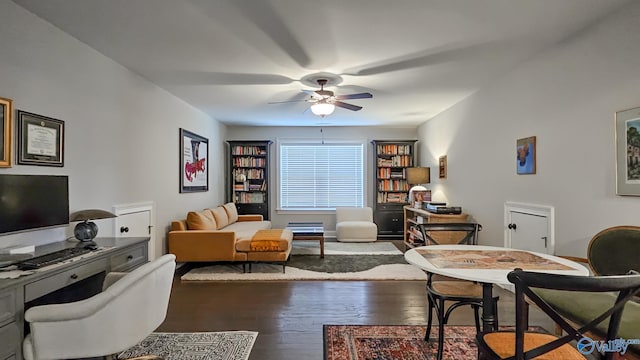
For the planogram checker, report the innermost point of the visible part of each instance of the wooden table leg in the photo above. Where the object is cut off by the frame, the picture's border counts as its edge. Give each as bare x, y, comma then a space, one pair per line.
322, 247
488, 317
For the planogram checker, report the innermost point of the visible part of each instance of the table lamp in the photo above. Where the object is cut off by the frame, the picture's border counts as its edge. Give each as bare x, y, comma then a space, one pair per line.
417, 176
86, 230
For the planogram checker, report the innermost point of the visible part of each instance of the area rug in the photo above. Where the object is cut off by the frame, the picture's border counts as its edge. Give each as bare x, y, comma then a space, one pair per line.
342, 261
401, 342
340, 248
261, 272
227, 345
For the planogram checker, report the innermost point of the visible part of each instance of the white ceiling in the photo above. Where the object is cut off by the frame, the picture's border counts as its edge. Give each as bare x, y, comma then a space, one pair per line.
230, 58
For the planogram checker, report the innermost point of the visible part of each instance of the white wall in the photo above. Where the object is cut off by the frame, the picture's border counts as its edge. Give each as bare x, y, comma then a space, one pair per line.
121, 141
313, 134
566, 97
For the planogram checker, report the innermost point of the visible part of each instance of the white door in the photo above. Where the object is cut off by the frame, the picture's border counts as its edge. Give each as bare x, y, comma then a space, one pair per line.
529, 232
136, 222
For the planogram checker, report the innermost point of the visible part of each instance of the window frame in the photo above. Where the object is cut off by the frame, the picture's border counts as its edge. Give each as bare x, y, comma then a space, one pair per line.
280, 142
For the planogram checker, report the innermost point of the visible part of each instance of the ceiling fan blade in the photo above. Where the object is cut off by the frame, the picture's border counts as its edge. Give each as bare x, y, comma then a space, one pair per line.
218, 78
255, 20
428, 57
288, 101
313, 94
354, 96
346, 106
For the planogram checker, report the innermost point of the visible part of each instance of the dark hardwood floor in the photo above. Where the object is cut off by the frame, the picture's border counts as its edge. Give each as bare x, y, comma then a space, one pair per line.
288, 315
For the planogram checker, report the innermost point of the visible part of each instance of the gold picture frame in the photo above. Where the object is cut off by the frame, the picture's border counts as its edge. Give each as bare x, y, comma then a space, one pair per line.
442, 167
6, 124
627, 126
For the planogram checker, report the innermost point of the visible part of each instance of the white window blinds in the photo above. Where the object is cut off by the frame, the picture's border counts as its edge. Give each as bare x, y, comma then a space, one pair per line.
321, 177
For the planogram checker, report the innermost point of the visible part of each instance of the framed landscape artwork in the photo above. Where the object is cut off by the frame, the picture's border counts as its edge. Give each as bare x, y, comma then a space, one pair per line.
5, 128
627, 124
194, 162
526, 156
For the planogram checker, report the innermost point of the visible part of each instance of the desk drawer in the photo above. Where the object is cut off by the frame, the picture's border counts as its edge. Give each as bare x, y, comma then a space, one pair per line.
10, 340
49, 284
8, 306
127, 260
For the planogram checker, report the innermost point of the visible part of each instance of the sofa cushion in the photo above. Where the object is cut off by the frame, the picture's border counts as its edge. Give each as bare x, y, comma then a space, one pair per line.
245, 229
232, 212
203, 220
221, 216
356, 231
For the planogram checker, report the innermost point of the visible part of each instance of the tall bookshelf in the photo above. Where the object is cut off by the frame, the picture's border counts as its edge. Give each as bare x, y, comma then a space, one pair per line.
391, 190
248, 176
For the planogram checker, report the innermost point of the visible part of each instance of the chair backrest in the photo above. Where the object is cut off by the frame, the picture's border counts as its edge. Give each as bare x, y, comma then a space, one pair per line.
614, 251
450, 233
119, 317
354, 214
626, 286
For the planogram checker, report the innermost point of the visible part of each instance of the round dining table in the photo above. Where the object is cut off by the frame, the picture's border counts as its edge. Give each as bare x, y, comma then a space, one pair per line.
487, 265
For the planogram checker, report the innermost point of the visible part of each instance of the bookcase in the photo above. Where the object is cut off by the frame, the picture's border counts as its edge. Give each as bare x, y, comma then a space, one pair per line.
248, 176
391, 190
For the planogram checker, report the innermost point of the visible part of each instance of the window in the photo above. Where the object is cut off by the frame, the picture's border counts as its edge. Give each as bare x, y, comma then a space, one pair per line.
320, 177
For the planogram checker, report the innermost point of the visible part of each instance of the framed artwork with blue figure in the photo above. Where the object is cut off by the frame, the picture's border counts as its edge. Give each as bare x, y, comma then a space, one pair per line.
526, 156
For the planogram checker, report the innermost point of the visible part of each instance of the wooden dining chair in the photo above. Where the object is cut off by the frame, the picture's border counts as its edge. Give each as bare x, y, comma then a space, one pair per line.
442, 289
524, 344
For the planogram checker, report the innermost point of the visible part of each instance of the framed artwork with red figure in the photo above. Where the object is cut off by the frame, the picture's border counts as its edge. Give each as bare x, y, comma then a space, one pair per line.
194, 165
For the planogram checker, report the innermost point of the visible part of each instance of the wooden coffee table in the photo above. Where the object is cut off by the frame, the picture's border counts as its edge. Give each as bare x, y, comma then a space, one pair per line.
308, 231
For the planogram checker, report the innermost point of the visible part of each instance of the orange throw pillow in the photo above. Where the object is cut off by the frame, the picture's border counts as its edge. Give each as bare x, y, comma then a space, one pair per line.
201, 221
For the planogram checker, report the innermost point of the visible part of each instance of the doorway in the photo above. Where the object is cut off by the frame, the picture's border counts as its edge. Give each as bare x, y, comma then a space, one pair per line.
529, 227
137, 220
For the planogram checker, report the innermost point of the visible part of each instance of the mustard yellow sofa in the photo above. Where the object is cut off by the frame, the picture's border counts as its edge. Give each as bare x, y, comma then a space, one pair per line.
220, 234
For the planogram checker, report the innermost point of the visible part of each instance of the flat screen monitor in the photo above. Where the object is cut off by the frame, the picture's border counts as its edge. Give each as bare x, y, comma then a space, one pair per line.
33, 201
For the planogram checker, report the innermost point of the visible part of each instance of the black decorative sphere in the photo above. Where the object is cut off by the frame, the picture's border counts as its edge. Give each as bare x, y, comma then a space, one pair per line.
85, 231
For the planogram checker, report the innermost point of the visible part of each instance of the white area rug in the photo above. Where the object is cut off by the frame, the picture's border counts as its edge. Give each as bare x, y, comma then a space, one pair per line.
274, 272
338, 248
227, 345
266, 271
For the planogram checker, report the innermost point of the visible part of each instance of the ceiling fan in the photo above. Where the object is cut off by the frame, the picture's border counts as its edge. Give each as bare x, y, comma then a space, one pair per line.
324, 101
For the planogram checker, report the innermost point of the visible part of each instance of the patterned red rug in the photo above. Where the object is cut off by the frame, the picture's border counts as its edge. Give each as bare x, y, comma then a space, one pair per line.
396, 342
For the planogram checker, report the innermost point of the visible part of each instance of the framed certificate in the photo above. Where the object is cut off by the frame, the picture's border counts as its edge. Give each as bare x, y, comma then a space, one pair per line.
40, 140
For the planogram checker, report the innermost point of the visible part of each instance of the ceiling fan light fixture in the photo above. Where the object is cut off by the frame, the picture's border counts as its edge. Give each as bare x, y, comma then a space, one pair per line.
322, 109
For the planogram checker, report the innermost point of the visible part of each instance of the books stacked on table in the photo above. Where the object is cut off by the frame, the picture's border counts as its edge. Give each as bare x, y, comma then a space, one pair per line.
442, 208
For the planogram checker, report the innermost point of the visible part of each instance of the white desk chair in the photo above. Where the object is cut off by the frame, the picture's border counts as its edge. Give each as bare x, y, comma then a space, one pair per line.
130, 307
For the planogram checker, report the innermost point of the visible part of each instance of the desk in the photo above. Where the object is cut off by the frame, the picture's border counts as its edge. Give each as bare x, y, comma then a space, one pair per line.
114, 254
487, 265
